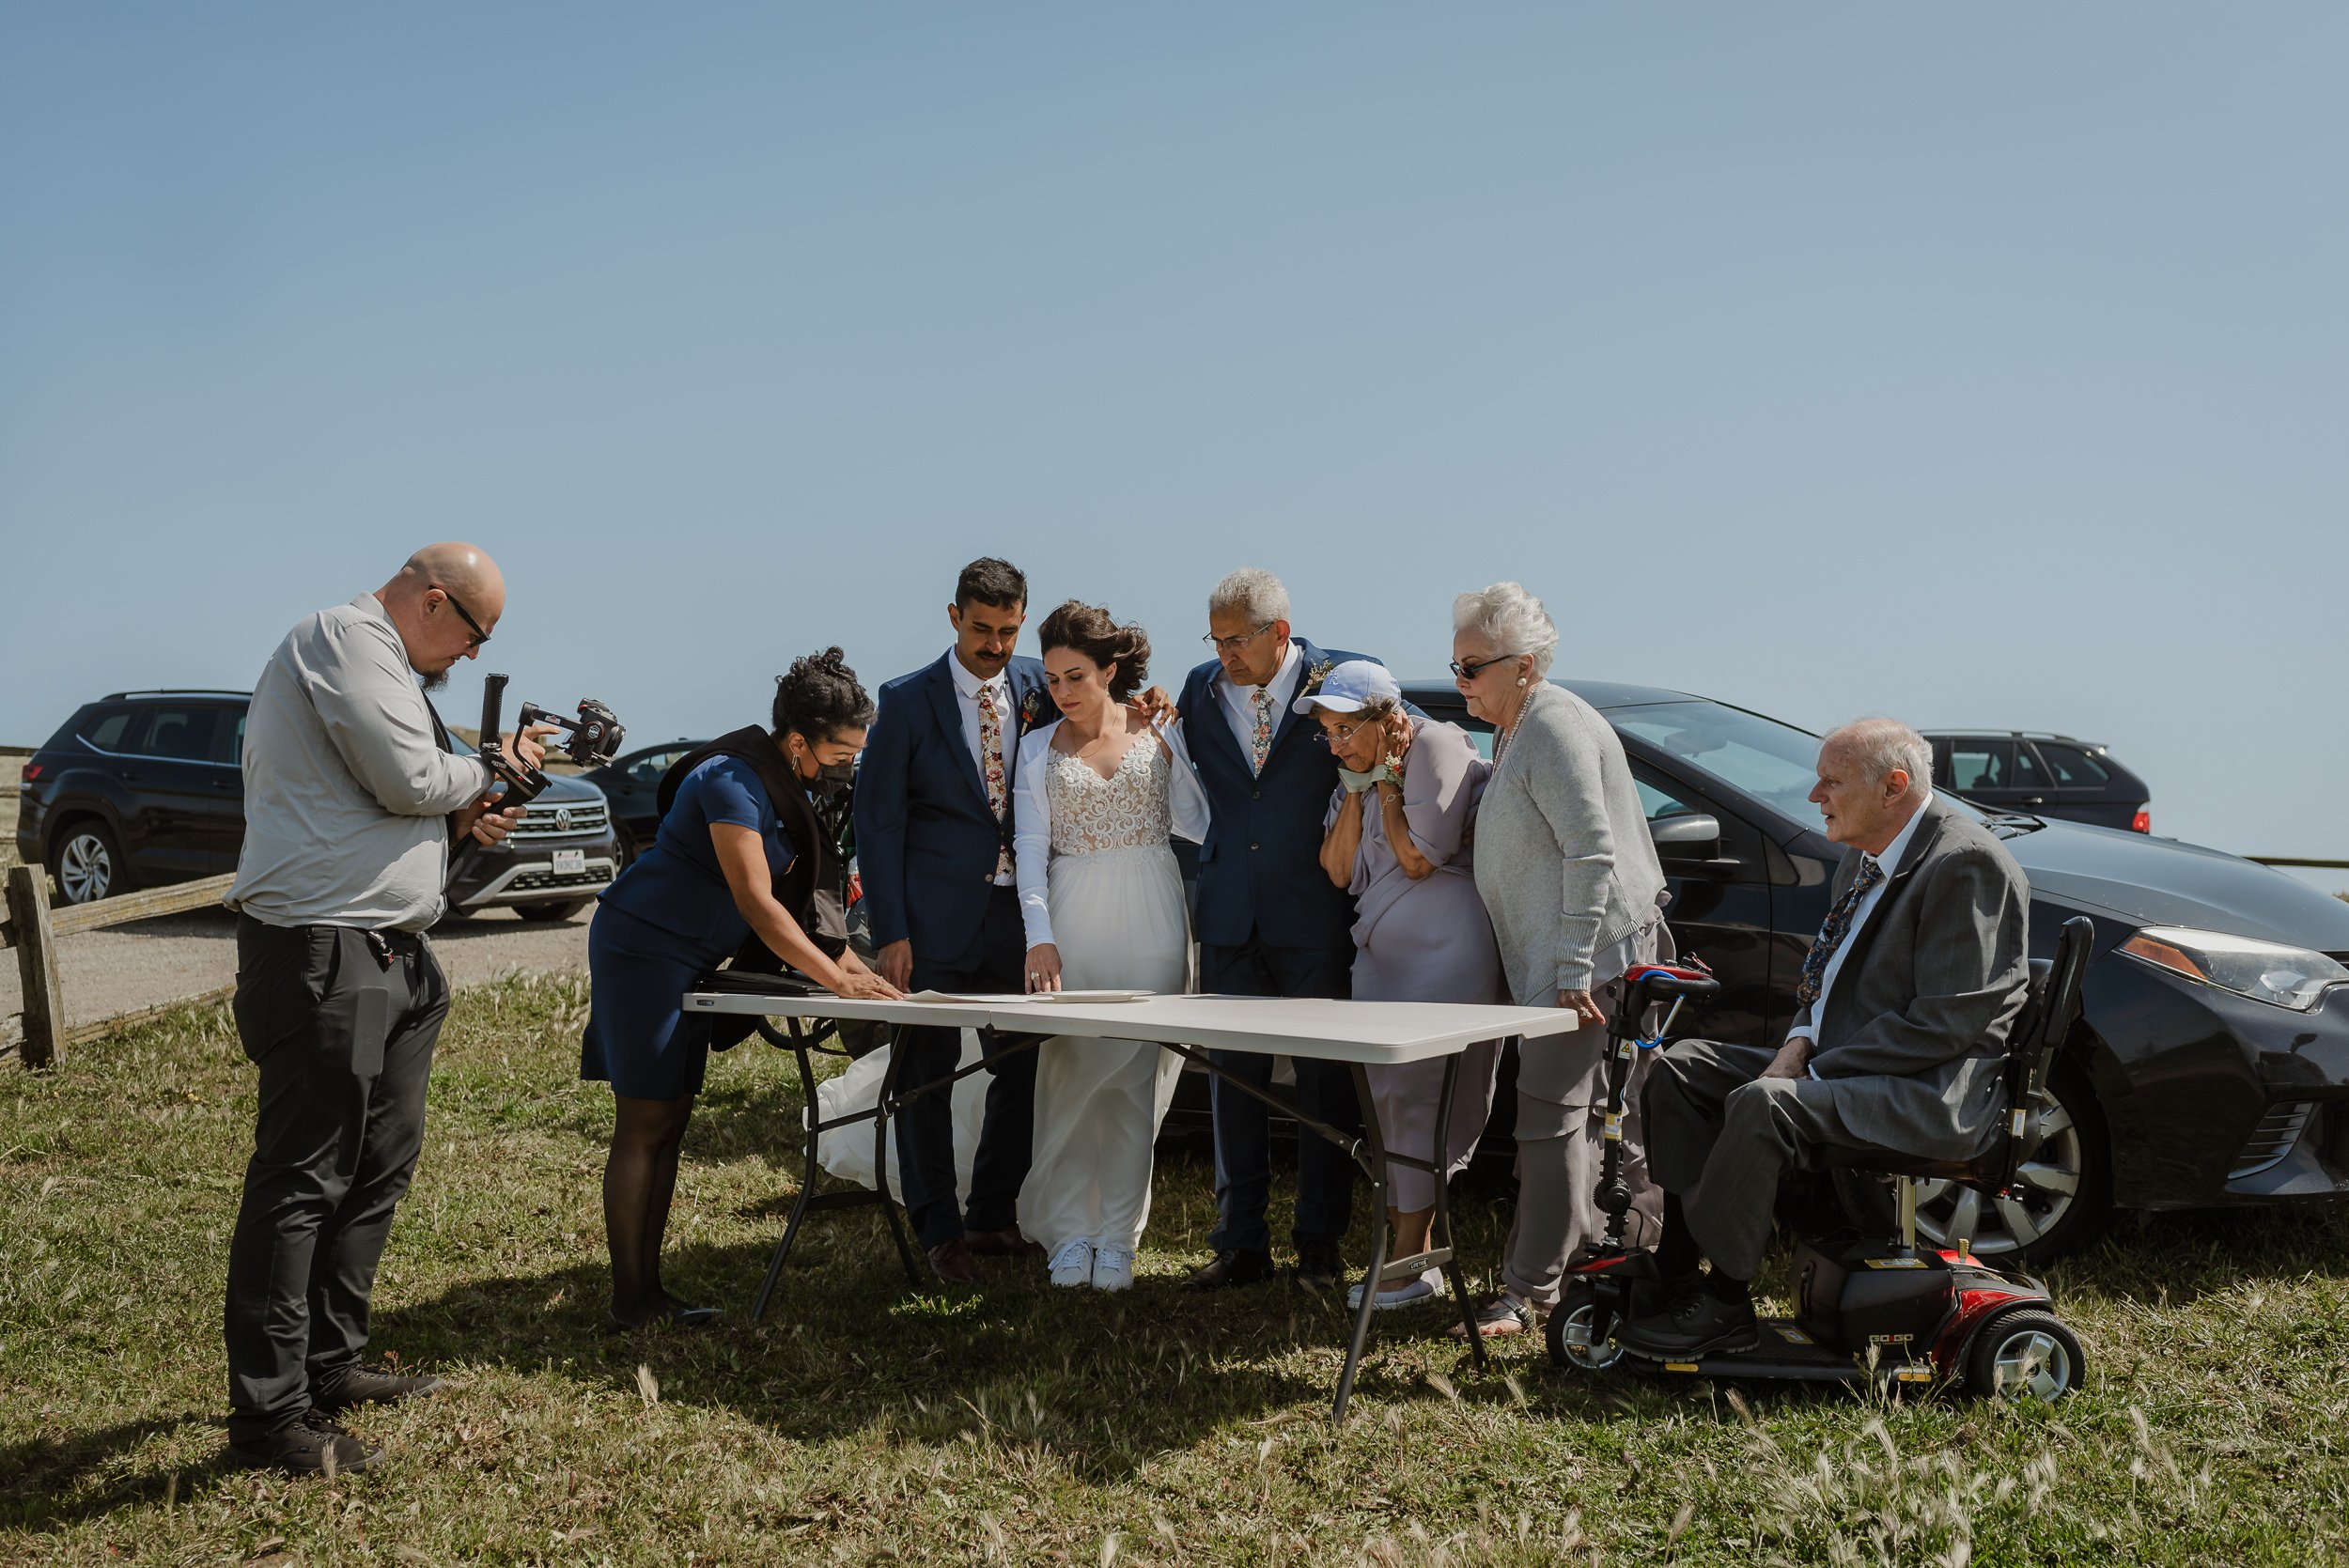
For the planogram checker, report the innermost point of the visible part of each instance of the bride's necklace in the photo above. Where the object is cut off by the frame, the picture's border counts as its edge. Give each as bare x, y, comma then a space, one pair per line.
1088, 749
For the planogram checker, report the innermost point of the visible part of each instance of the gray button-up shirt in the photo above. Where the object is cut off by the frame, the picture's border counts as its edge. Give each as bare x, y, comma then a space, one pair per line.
345, 790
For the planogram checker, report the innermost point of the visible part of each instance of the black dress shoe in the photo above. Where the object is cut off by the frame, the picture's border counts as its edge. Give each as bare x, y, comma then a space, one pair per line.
951, 1262
1695, 1321
361, 1386
1318, 1265
1005, 1243
310, 1445
1231, 1269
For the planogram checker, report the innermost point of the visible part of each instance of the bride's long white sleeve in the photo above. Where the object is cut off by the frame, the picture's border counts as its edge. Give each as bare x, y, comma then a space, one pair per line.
1031, 833
1186, 798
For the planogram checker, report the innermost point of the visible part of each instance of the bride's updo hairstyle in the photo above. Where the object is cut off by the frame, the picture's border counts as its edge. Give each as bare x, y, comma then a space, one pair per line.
1087, 628
819, 698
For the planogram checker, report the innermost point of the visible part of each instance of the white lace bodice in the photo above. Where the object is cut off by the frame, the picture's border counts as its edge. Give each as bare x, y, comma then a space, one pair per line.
1128, 810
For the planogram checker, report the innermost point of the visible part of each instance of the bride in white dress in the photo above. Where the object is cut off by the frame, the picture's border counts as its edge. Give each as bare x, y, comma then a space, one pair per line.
1099, 794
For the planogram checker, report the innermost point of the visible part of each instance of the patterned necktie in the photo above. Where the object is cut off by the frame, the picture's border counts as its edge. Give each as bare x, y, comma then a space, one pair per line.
1261, 742
991, 771
1832, 935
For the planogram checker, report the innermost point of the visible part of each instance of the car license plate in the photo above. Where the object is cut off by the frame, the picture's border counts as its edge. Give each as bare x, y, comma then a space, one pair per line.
570, 862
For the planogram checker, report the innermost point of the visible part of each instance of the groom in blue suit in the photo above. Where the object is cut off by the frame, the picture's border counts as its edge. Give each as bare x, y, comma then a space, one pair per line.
933, 839
1270, 922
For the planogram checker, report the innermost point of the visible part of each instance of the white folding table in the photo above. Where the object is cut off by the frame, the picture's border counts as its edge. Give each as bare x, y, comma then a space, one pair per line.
1360, 1034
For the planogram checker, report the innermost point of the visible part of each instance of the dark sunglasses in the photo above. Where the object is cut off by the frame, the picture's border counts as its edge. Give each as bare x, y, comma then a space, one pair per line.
1470, 671
480, 637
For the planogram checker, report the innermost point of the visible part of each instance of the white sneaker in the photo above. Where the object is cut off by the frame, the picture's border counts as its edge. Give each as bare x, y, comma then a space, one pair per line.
1113, 1268
1408, 1294
1073, 1264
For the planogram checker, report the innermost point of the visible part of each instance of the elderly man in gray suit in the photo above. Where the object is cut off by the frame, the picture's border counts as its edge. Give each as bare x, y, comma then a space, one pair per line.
1899, 1039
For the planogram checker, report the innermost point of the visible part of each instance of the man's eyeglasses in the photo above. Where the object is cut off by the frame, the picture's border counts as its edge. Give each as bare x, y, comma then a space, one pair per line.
1475, 667
479, 637
1232, 644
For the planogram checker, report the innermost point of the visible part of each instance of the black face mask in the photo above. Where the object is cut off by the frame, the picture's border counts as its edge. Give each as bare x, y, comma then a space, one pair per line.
831, 777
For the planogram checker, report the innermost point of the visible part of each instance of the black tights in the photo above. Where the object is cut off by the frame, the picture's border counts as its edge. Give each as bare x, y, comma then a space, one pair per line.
638, 1179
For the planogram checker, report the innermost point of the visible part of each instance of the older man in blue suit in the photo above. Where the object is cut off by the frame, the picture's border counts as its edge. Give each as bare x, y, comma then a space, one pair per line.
933, 838
1268, 921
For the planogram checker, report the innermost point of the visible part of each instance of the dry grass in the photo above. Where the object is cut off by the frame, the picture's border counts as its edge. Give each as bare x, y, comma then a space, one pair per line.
1020, 1424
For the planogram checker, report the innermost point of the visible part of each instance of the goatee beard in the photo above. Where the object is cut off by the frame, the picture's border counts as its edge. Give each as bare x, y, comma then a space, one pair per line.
434, 681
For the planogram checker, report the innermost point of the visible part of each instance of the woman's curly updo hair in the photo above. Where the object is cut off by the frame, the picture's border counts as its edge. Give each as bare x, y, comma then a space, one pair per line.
819, 698
1087, 628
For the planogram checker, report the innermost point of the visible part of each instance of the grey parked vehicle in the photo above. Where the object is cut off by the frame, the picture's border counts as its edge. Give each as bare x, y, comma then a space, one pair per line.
2043, 773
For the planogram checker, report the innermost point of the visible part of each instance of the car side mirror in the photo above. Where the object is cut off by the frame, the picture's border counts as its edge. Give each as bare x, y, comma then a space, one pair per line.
1691, 845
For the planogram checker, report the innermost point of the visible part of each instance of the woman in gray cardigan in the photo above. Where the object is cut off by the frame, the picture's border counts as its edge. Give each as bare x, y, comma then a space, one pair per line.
1569, 876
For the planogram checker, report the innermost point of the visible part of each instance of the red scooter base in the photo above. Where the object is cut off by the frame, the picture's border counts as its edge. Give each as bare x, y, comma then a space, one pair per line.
1866, 1310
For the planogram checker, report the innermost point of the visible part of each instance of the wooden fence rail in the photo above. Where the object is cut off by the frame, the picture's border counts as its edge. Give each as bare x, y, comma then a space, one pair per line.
32, 928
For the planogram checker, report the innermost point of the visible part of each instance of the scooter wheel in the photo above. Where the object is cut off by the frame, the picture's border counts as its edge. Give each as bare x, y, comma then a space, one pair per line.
2024, 1354
1569, 1336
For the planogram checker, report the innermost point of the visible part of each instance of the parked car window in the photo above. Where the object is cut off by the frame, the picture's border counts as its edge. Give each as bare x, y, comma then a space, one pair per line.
1980, 765
1658, 804
2028, 773
646, 770
2073, 768
228, 737
107, 727
1767, 760
184, 734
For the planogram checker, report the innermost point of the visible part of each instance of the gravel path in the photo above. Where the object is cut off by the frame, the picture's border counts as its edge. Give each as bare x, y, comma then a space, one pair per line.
157, 961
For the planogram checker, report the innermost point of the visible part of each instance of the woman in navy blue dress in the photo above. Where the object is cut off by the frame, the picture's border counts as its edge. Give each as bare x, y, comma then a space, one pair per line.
740, 857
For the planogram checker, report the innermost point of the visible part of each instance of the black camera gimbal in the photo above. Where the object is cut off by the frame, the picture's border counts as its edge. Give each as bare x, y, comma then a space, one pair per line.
592, 738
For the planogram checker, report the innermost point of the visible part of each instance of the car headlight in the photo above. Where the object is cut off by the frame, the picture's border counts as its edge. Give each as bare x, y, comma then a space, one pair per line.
2293, 977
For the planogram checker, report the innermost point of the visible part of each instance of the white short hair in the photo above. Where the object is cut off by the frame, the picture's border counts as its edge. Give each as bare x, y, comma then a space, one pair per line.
1252, 591
1883, 744
1510, 618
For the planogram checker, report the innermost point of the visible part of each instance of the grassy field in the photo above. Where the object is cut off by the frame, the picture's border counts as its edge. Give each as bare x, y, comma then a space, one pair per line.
1020, 1424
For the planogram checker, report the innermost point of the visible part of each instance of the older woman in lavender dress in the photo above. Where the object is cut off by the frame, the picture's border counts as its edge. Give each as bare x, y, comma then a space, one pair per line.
1397, 838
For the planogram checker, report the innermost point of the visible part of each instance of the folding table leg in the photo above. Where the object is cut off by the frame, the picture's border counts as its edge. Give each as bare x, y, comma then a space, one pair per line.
1370, 1153
1443, 1233
883, 1111
807, 1173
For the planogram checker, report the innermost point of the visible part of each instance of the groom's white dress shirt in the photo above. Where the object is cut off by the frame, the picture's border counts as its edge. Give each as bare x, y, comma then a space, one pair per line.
1239, 702
967, 688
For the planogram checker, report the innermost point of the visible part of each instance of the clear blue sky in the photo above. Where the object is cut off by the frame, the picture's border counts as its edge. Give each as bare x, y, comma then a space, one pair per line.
1978, 364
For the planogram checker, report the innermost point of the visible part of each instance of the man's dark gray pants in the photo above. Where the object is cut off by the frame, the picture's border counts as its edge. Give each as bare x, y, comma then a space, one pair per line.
1719, 1137
343, 1045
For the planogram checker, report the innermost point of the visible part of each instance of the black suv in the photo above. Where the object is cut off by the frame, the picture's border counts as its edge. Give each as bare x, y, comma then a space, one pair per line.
141, 788
2045, 774
632, 784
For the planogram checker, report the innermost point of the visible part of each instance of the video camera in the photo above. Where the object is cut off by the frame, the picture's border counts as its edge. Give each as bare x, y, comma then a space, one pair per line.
592, 739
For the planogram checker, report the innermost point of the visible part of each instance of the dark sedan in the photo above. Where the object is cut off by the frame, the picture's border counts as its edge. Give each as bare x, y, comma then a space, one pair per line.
2211, 1065
632, 783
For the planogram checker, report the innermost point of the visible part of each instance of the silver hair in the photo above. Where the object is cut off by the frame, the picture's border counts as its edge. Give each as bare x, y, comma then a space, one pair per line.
1252, 591
1884, 745
1513, 619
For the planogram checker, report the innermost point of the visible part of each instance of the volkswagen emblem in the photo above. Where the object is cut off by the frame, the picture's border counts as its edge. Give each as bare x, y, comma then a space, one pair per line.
561, 819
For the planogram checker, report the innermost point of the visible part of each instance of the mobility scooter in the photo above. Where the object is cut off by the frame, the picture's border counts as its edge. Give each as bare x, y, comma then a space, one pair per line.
1867, 1309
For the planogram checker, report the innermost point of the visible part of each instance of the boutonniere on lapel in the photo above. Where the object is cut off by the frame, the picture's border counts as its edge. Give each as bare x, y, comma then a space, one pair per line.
1030, 706
1316, 675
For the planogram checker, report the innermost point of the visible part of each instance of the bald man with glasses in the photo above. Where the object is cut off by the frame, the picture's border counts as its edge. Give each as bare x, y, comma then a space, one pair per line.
352, 799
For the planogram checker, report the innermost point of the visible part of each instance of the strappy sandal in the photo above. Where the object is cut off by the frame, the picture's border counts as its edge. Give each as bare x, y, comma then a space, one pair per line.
1503, 1315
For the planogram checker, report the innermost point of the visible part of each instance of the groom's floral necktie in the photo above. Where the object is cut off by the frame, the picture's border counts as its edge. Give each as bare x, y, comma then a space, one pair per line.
1261, 742
991, 770
1832, 935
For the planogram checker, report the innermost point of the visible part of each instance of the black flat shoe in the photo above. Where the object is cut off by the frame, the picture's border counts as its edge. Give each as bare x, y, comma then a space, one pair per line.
1694, 1322
676, 1317
1231, 1269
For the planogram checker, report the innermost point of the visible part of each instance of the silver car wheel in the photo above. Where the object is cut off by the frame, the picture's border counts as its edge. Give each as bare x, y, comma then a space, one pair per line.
85, 868
2046, 1183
